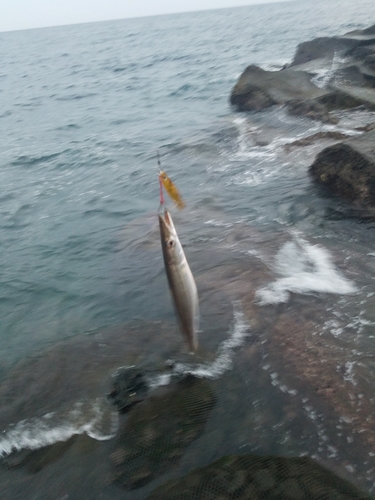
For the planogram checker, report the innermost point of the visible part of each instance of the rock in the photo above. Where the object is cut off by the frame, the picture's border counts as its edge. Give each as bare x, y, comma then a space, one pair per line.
323, 47
311, 109
264, 479
306, 141
153, 438
348, 169
258, 89
346, 62
351, 43
261, 477
36, 460
129, 387
366, 128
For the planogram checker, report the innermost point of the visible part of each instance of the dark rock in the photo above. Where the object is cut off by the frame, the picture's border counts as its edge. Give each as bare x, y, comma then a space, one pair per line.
322, 47
36, 460
348, 64
129, 387
366, 128
327, 47
258, 89
348, 169
261, 477
347, 98
311, 109
306, 141
153, 438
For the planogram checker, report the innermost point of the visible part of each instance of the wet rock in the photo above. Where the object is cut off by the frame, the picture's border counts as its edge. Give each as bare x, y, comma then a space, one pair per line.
261, 477
348, 63
366, 128
130, 386
157, 431
290, 489
264, 479
311, 109
258, 89
78, 369
323, 47
36, 460
356, 44
348, 169
319, 136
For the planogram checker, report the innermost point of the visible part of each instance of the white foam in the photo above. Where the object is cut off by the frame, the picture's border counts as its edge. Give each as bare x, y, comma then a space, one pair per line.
218, 223
225, 353
304, 269
36, 433
325, 77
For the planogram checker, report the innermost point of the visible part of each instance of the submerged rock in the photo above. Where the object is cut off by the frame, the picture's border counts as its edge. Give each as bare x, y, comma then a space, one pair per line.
35, 460
318, 136
348, 169
130, 387
256, 477
152, 440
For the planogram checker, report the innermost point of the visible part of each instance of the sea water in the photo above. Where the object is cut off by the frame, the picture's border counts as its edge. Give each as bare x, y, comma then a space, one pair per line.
83, 111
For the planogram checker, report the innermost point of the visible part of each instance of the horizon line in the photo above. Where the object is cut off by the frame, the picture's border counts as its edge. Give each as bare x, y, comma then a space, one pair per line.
145, 16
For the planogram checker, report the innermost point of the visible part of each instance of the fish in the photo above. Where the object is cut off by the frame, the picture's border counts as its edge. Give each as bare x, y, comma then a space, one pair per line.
181, 280
171, 189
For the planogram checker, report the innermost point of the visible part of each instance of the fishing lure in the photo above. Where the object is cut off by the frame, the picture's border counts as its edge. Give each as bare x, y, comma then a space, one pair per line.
170, 187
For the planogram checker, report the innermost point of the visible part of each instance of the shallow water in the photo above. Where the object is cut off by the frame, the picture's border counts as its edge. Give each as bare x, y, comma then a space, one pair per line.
284, 272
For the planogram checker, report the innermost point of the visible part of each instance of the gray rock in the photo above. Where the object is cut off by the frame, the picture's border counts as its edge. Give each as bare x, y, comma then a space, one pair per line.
348, 65
348, 169
258, 89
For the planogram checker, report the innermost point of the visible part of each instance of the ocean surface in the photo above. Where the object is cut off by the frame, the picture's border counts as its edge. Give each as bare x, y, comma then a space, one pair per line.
83, 111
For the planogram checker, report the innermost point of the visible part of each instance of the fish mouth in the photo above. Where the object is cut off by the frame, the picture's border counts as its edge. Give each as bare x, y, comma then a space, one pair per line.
165, 217
166, 223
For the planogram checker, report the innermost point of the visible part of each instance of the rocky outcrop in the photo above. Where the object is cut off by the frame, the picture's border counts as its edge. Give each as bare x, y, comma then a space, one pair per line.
358, 44
348, 65
348, 169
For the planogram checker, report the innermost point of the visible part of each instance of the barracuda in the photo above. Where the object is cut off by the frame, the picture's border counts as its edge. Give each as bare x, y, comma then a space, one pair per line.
180, 279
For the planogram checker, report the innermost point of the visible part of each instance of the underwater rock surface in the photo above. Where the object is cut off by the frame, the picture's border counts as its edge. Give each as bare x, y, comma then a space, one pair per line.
246, 477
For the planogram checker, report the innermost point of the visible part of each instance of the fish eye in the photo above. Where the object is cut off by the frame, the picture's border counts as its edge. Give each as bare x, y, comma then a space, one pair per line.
170, 243
165, 177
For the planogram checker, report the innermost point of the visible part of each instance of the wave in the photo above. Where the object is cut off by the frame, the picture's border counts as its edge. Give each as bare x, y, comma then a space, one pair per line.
223, 362
304, 269
96, 419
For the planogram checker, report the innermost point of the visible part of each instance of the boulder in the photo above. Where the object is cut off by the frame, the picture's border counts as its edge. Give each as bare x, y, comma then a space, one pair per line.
348, 169
354, 43
258, 89
326, 74
323, 47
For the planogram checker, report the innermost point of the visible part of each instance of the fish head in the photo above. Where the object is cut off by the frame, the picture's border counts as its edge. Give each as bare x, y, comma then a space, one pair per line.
172, 248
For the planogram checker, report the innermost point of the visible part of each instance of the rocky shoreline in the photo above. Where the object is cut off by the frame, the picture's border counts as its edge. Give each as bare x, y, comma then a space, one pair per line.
347, 64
